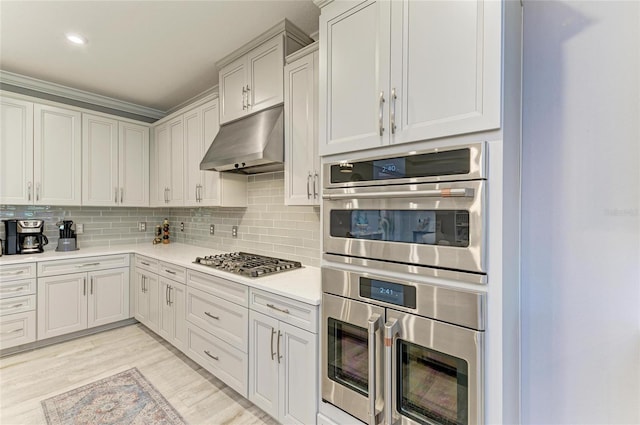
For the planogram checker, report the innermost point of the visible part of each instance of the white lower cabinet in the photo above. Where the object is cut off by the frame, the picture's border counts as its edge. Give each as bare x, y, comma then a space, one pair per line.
77, 301
17, 305
147, 302
172, 322
282, 369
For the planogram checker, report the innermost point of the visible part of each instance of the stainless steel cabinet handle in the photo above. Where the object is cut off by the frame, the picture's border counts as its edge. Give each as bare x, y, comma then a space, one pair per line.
91, 286
166, 295
212, 316
393, 110
278, 346
29, 190
16, 305
37, 191
146, 264
315, 185
20, 288
84, 289
391, 329
88, 265
170, 289
244, 92
432, 193
373, 325
273, 353
248, 90
142, 284
380, 126
211, 355
197, 200
12, 273
121, 195
115, 198
169, 271
278, 309
11, 332
308, 190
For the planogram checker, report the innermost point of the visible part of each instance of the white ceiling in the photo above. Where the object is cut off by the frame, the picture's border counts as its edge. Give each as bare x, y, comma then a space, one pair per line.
156, 54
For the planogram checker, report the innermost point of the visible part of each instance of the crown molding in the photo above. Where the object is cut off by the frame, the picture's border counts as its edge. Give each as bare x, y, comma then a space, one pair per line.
203, 97
322, 3
302, 52
54, 89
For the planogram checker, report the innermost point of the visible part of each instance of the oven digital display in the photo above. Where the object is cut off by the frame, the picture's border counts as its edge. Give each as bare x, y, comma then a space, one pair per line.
392, 168
388, 292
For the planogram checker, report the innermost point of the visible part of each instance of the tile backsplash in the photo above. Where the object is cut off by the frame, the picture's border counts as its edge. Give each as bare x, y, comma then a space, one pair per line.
265, 227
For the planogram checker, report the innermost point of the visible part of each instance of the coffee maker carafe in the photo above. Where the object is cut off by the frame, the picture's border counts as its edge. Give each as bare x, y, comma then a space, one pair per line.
24, 236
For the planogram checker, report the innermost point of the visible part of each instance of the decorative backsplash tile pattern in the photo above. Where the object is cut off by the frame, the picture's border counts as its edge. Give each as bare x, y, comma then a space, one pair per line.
265, 227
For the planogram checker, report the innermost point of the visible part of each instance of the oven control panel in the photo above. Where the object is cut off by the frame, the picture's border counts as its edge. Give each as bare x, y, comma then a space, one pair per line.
388, 292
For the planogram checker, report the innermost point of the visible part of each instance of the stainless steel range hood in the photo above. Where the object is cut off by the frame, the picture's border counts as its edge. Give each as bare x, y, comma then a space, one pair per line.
249, 145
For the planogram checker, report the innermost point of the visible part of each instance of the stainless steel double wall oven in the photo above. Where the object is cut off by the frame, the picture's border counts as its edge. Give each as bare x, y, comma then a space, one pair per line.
397, 349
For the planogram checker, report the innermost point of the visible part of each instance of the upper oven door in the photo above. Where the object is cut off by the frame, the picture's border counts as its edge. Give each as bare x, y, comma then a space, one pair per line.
437, 225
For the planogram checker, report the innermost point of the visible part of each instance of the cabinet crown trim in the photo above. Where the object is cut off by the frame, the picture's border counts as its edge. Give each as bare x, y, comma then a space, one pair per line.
283, 27
313, 47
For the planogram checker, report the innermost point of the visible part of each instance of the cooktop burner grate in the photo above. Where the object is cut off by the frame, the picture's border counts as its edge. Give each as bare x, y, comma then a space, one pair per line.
251, 265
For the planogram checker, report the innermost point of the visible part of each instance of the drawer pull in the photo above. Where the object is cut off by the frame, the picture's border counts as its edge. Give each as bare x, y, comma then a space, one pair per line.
170, 271
212, 316
12, 332
19, 288
13, 273
146, 264
283, 310
88, 265
211, 355
16, 305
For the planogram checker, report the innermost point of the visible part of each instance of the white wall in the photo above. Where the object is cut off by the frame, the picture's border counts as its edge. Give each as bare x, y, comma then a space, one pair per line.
581, 212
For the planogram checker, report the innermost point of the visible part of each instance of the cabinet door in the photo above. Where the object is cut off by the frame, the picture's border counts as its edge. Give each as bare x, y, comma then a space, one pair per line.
265, 68
165, 321
193, 155
162, 166
210, 192
16, 152
178, 300
176, 187
354, 79
300, 137
133, 173
99, 161
62, 304
152, 287
57, 156
445, 68
108, 296
263, 362
298, 377
141, 311
232, 80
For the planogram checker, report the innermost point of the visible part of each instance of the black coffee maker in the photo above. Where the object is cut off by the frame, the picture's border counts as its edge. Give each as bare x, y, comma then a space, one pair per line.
24, 236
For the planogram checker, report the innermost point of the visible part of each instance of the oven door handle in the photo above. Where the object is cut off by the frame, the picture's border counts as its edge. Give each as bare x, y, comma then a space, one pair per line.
373, 325
464, 192
391, 331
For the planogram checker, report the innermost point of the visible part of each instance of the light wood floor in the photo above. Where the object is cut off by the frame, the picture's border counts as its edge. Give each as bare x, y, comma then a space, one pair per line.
28, 378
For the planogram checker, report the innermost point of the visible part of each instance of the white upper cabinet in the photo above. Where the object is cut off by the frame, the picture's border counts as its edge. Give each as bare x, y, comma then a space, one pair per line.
115, 162
16, 152
168, 179
302, 163
57, 156
425, 69
253, 81
252, 78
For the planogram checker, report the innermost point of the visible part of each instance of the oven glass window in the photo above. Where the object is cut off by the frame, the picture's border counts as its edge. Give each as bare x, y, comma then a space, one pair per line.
429, 227
432, 386
348, 356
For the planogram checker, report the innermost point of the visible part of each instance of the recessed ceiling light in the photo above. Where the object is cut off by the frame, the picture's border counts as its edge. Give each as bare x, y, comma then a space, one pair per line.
76, 39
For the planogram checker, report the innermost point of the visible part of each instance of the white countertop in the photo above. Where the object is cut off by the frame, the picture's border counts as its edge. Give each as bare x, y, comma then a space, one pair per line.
300, 284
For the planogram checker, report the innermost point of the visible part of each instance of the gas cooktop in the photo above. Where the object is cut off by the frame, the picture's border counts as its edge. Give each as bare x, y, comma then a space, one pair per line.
251, 265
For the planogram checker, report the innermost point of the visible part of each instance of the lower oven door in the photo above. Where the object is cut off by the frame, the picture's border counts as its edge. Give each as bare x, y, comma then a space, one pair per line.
433, 371
437, 225
352, 357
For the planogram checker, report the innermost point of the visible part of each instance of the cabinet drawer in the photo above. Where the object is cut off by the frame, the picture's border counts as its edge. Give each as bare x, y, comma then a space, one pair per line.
147, 263
296, 313
85, 264
17, 271
17, 304
17, 288
223, 288
224, 319
17, 329
221, 359
168, 270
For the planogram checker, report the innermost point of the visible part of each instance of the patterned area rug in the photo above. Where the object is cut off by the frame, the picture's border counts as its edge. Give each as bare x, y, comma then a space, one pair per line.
125, 398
